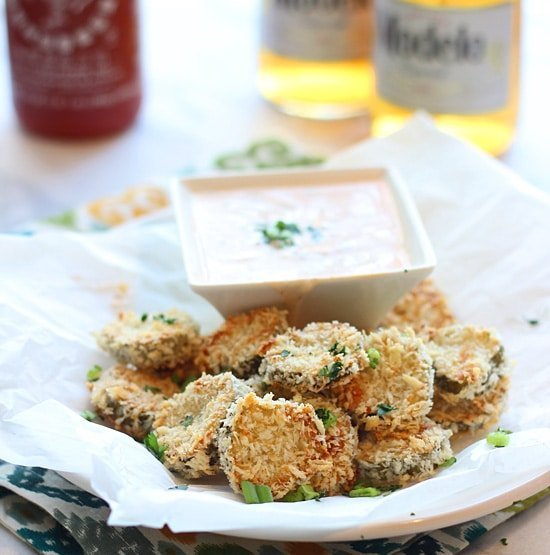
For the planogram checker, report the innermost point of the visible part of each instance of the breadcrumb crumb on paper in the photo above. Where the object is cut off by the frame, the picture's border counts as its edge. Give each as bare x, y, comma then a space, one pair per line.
390, 458
279, 443
398, 389
187, 423
424, 307
238, 343
128, 400
151, 341
311, 359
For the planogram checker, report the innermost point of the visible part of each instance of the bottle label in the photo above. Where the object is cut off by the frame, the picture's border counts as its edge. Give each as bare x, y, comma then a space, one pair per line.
317, 29
443, 60
72, 54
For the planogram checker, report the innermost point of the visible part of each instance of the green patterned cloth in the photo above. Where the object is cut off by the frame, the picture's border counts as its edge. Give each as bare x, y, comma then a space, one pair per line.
56, 517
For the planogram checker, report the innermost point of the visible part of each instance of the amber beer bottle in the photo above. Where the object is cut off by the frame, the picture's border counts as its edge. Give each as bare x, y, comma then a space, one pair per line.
457, 59
74, 65
315, 57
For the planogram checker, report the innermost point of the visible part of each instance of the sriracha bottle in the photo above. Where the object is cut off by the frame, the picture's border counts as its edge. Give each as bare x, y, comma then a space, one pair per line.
74, 65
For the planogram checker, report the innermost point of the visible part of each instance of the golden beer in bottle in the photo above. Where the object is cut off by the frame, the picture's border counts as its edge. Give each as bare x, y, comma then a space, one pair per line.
456, 59
315, 57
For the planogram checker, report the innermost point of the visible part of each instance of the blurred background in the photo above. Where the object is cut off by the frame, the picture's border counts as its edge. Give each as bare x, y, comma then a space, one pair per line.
199, 62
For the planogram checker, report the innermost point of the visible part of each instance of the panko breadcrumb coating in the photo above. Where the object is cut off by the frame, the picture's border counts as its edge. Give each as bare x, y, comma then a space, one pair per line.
280, 444
468, 361
423, 307
187, 423
237, 343
128, 400
311, 359
342, 439
151, 341
389, 458
468, 415
398, 389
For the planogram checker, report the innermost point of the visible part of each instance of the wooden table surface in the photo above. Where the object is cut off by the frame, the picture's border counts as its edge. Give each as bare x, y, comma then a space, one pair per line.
200, 99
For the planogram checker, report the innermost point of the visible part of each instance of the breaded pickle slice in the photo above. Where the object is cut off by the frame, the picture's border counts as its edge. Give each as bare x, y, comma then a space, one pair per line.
151, 341
236, 345
280, 444
128, 400
464, 415
341, 439
391, 458
423, 307
468, 361
311, 359
187, 423
397, 387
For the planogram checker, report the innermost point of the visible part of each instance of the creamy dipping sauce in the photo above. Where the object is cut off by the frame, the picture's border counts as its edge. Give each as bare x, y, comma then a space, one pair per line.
346, 229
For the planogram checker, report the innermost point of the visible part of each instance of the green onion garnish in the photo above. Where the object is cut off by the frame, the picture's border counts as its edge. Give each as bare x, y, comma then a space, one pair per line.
374, 357
151, 389
253, 493
88, 415
280, 234
303, 493
331, 371
285, 353
449, 462
499, 438
362, 491
326, 416
187, 421
187, 381
337, 349
144, 316
383, 408
162, 318
93, 373
153, 446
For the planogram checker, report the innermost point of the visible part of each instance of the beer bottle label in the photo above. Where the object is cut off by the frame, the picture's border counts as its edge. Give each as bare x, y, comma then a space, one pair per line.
443, 60
317, 30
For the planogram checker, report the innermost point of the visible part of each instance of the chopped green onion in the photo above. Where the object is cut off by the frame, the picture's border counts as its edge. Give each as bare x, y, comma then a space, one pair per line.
162, 318
187, 381
449, 462
331, 371
280, 234
361, 491
187, 421
93, 373
326, 416
249, 492
154, 447
88, 415
383, 408
151, 389
285, 353
374, 357
264, 494
180, 486
304, 493
499, 438
337, 349
144, 316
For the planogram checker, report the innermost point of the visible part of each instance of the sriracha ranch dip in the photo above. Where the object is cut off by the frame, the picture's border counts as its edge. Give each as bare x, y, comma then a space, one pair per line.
285, 233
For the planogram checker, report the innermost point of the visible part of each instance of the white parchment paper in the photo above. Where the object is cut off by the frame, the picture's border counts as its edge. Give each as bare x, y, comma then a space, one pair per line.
491, 233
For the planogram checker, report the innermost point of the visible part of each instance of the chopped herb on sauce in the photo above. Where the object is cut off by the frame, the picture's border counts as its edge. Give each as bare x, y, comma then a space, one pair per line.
163, 318
280, 235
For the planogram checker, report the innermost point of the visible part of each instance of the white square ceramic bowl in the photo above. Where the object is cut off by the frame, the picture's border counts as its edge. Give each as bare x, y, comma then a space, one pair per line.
359, 298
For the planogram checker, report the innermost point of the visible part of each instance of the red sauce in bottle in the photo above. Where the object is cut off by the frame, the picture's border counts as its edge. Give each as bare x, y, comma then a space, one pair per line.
74, 65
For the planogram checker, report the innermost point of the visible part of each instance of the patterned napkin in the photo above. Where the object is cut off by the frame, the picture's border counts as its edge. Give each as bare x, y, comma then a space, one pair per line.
56, 517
